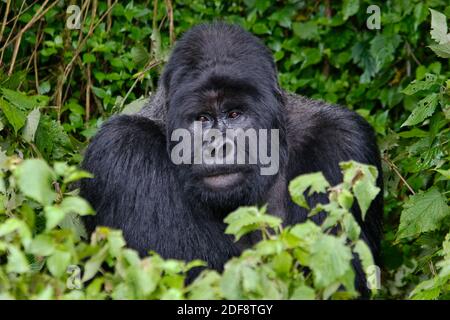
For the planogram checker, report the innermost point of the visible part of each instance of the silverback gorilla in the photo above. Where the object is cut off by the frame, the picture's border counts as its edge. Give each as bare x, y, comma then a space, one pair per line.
224, 77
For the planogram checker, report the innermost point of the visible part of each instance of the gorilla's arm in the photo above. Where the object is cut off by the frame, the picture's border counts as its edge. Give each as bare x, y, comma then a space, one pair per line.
320, 136
132, 185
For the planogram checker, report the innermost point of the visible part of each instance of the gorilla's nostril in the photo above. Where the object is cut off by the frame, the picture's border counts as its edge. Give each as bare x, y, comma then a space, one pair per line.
228, 148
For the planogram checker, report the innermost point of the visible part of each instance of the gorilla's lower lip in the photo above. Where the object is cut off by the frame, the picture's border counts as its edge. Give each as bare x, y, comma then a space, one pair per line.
223, 180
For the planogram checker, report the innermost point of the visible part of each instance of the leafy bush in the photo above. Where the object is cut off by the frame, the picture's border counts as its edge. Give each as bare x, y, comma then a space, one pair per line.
45, 257
58, 85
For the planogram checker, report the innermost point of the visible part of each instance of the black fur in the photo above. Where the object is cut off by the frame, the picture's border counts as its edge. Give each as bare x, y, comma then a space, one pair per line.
164, 207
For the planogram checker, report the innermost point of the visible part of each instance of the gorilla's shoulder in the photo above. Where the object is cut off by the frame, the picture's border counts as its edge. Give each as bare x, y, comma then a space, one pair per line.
129, 127
124, 136
319, 118
328, 133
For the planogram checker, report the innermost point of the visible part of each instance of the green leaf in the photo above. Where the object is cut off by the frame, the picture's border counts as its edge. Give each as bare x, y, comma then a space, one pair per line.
44, 87
307, 30
58, 262
441, 50
330, 260
15, 225
34, 178
362, 178
311, 56
205, 286
282, 263
53, 216
73, 222
17, 262
365, 255
22, 101
140, 55
230, 283
14, 115
424, 109
260, 28
248, 219
423, 212
42, 245
31, 125
350, 8
90, 58
419, 85
51, 139
134, 106
439, 27
303, 292
76, 205
93, 265
115, 242
315, 182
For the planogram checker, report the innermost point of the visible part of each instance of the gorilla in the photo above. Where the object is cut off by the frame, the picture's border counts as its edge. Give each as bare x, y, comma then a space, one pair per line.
222, 77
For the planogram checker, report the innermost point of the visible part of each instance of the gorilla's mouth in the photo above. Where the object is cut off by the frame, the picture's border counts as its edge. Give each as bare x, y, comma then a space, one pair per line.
221, 181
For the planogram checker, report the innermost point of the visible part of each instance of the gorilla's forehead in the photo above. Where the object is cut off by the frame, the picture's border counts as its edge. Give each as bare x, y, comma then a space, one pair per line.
215, 90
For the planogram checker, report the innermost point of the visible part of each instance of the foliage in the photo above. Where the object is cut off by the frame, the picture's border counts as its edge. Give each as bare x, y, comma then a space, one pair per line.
44, 256
58, 85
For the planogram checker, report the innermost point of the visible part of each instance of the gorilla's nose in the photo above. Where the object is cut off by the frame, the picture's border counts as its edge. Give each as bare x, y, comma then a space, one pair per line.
220, 151
225, 149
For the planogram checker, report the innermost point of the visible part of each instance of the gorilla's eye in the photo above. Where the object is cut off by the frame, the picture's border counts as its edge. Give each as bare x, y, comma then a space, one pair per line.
234, 114
202, 118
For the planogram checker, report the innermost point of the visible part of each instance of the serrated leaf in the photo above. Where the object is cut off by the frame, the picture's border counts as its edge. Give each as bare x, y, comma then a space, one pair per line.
350, 8
303, 292
34, 178
73, 222
58, 262
362, 178
22, 101
423, 212
439, 27
330, 260
420, 85
247, 219
424, 110
14, 115
76, 205
441, 50
17, 262
51, 139
140, 55
315, 182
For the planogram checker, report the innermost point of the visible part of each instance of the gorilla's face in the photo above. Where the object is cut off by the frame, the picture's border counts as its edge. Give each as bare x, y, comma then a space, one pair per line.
215, 138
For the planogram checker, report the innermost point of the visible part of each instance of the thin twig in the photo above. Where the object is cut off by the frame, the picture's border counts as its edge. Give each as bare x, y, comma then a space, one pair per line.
16, 18
38, 15
5, 17
139, 77
171, 25
108, 18
88, 93
394, 167
83, 42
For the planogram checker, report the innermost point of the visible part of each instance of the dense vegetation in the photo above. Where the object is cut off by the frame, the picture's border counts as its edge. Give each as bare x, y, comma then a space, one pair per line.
58, 84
